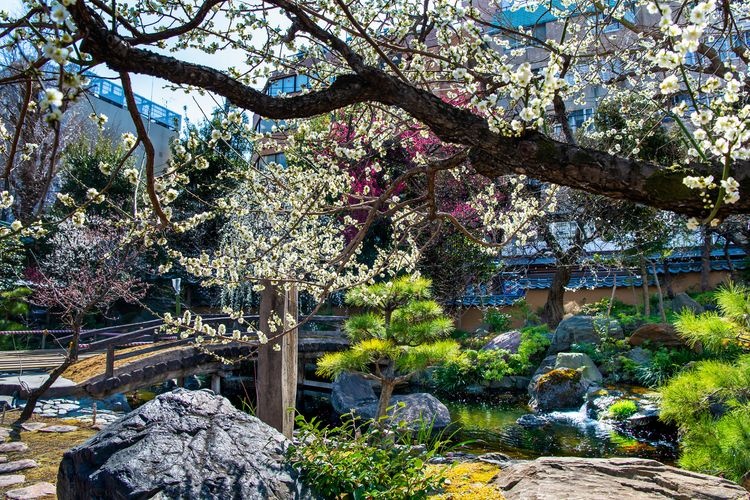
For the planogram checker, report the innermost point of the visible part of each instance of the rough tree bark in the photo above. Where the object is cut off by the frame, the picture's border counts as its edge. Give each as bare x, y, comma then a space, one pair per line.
70, 358
491, 153
554, 307
644, 286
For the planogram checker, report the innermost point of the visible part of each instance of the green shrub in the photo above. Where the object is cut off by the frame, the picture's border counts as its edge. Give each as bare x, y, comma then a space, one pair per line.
711, 405
623, 409
663, 365
474, 366
498, 322
361, 461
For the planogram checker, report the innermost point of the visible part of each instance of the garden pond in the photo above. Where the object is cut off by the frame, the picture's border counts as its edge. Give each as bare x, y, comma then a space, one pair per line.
491, 426
487, 424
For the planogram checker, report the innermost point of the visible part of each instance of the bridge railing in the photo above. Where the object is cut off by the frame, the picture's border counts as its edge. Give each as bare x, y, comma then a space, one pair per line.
150, 333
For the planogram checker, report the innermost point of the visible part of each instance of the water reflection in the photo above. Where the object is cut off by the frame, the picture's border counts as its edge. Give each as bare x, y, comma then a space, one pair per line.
492, 427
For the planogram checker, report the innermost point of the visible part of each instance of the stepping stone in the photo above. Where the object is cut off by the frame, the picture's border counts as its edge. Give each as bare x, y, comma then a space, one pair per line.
26, 463
11, 479
17, 446
59, 428
33, 426
38, 490
3, 459
4, 433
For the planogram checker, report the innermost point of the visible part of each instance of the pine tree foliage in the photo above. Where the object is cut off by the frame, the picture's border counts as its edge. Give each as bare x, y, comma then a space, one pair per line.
402, 334
722, 332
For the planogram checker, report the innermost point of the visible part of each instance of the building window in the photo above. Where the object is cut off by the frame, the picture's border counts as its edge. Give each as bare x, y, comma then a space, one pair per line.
538, 31
278, 158
265, 125
288, 85
578, 117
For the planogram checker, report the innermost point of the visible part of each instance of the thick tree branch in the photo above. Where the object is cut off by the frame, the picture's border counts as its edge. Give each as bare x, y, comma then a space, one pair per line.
492, 154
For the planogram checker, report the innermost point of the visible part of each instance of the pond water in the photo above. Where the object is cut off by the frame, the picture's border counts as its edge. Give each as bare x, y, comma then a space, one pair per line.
491, 426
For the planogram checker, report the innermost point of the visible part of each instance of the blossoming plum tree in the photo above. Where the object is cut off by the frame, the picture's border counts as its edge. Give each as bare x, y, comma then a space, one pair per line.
444, 67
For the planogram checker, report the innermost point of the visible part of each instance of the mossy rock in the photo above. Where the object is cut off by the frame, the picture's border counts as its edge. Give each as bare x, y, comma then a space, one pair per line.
558, 389
559, 375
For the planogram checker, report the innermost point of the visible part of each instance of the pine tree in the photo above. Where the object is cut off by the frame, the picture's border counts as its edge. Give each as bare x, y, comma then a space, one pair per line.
402, 334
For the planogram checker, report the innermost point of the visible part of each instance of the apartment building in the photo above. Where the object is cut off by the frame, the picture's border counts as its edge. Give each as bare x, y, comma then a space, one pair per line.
163, 125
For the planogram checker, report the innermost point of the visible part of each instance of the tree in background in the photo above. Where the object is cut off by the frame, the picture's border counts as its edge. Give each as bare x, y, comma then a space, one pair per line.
88, 270
97, 164
400, 337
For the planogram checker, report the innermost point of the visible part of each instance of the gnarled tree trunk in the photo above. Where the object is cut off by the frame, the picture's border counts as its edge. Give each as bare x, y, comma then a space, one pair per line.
554, 307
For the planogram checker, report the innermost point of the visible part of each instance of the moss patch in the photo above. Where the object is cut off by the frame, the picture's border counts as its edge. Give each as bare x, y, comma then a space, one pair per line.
559, 376
46, 448
468, 481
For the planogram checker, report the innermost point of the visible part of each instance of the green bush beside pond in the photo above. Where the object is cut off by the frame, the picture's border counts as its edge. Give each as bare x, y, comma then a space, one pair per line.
474, 366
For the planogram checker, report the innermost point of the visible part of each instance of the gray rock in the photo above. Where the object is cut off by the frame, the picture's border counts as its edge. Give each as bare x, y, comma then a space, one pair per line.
559, 389
510, 382
508, 341
350, 391
530, 420
33, 426
37, 490
11, 479
550, 478
182, 444
59, 428
579, 361
554, 387
417, 408
683, 301
583, 329
15, 446
16, 465
639, 355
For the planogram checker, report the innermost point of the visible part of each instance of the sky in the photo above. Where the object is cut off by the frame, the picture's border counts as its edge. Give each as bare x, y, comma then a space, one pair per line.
192, 106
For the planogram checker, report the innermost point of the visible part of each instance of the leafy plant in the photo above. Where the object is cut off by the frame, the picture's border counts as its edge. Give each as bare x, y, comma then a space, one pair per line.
623, 409
363, 461
399, 338
711, 406
663, 365
475, 366
498, 321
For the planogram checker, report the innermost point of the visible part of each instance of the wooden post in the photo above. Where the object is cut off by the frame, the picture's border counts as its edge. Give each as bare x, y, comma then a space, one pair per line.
276, 382
110, 369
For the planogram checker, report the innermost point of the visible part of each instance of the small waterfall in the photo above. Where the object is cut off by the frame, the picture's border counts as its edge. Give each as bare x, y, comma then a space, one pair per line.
580, 419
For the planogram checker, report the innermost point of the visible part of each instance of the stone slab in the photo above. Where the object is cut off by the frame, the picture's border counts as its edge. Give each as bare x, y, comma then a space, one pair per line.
16, 465
13, 446
33, 426
59, 428
38, 490
11, 479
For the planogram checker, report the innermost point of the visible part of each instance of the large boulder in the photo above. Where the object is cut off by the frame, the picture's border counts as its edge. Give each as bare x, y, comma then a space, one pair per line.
581, 362
413, 410
583, 329
656, 334
509, 341
551, 478
350, 391
181, 444
682, 301
559, 389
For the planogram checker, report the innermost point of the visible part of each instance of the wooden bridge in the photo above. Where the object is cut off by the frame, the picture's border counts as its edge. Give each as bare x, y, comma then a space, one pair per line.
127, 357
